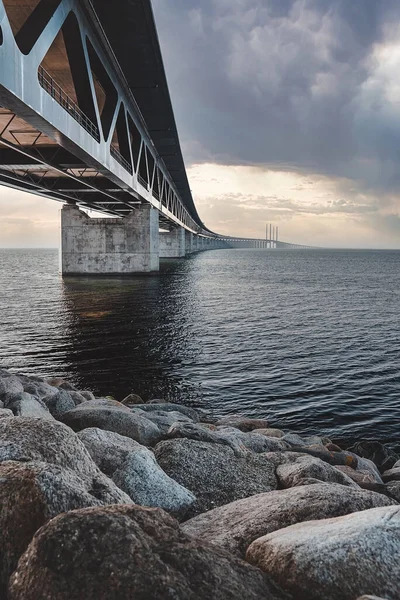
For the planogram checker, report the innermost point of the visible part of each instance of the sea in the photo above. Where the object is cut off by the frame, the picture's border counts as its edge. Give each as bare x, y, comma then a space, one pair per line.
309, 339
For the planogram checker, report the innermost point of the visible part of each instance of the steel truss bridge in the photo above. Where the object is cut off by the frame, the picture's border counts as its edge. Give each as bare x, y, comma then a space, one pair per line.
86, 115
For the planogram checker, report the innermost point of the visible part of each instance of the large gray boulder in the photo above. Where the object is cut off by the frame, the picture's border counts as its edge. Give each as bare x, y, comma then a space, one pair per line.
124, 422
243, 423
9, 385
165, 419
213, 472
30, 494
59, 403
334, 559
26, 405
26, 439
293, 469
134, 470
168, 407
129, 552
235, 526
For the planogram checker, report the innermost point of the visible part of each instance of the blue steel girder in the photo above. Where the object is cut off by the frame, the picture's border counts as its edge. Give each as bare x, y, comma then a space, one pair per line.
29, 92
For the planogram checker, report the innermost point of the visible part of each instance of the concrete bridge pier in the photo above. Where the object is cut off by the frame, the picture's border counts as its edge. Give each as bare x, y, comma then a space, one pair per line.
173, 243
109, 246
189, 242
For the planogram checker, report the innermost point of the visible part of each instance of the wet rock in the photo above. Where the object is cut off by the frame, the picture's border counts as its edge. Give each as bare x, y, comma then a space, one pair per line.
391, 475
10, 385
169, 407
360, 476
134, 470
366, 465
243, 423
213, 472
26, 439
393, 490
112, 418
142, 553
320, 451
270, 432
235, 526
39, 389
87, 394
132, 400
334, 558
294, 468
108, 403
31, 494
26, 405
164, 419
380, 454
77, 397
61, 383
293, 439
59, 403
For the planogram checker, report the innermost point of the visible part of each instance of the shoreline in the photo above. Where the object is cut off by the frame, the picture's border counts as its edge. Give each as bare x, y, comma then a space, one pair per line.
201, 499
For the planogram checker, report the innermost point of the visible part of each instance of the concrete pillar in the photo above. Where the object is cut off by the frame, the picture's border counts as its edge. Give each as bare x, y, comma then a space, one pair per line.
109, 246
195, 243
173, 243
188, 242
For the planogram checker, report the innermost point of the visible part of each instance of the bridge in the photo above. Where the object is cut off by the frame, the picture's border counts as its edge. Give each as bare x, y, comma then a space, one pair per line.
86, 119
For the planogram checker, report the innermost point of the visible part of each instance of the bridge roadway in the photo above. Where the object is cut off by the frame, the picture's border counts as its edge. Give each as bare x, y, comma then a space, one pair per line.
86, 119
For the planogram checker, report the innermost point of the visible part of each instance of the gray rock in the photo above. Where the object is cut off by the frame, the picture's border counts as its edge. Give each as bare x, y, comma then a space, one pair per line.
360, 476
335, 558
366, 465
168, 407
371, 598
243, 423
129, 552
110, 418
87, 394
164, 419
134, 470
39, 389
380, 454
26, 439
293, 439
107, 403
393, 490
235, 526
294, 468
213, 473
59, 404
9, 386
6, 413
148, 485
26, 405
30, 494
391, 475
78, 398
270, 432
132, 400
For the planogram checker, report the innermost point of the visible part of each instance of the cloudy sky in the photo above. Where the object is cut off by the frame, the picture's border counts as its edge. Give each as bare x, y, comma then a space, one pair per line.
288, 112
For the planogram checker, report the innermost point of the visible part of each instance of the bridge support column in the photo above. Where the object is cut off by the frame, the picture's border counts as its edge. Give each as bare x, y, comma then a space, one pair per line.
109, 246
189, 242
173, 243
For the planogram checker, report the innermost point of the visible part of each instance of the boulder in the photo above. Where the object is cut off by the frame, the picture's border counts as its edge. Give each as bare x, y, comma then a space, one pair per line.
165, 419
59, 403
269, 432
78, 398
380, 454
39, 389
134, 470
87, 394
235, 526
30, 494
112, 418
129, 552
295, 440
107, 403
213, 472
26, 439
391, 475
9, 386
132, 400
243, 423
320, 451
168, 407
370, 598
294, 468
6, 413
26, 405
335, 558
360, 476
393, 490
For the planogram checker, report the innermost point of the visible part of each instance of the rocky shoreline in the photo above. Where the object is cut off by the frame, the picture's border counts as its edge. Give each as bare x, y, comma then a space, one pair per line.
109, 500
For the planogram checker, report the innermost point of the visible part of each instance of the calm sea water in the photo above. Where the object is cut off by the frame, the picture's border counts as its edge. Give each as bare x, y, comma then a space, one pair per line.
310, 339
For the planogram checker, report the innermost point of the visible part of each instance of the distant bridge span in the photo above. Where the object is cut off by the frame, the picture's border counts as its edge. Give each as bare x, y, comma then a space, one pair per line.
86, 119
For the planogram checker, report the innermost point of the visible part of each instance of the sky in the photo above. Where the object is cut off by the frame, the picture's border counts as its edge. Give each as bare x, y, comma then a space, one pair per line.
288, 112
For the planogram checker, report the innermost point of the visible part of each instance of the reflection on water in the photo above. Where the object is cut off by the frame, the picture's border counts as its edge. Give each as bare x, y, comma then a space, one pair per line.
310, 339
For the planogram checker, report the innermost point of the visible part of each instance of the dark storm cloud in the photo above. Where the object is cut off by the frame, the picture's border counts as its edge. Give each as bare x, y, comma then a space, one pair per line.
293, 82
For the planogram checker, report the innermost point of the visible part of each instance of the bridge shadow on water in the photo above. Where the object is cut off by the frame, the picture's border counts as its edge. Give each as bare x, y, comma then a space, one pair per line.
130, 334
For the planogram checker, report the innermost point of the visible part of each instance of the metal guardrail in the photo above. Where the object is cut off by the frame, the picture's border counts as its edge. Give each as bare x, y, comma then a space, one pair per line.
115, 153
57, 93
142, 181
